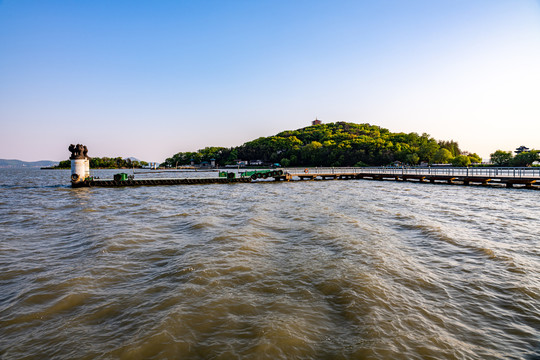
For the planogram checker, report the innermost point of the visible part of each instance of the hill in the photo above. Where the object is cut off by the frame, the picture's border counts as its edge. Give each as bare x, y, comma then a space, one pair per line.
334, 144
5, 163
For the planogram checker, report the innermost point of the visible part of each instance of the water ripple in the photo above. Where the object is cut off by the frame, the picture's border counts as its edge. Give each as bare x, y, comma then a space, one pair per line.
325, 270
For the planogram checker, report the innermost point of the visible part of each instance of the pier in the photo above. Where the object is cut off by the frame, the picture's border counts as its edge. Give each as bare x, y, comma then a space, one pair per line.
153, 182
528, 177
499, 177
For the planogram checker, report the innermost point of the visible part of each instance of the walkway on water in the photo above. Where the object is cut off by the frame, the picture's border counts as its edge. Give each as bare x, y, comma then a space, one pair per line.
153, 182
527, 177
507, 177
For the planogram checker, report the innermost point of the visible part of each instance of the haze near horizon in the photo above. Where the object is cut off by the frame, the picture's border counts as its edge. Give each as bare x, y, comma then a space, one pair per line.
150, 79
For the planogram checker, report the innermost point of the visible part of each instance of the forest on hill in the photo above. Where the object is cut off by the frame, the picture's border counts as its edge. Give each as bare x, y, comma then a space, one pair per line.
335, 144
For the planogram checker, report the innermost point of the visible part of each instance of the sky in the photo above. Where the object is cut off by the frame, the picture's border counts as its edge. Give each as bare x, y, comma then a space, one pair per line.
148, 79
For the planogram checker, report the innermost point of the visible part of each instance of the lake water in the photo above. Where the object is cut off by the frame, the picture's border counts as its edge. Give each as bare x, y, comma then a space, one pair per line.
353, 269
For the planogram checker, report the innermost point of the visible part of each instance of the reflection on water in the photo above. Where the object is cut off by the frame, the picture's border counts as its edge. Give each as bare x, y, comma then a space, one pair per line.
322, 270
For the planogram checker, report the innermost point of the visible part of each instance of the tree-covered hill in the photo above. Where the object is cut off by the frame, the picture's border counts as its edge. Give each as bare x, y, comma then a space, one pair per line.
335, 144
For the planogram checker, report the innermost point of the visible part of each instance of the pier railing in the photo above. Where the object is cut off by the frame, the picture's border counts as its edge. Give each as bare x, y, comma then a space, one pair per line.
494, 172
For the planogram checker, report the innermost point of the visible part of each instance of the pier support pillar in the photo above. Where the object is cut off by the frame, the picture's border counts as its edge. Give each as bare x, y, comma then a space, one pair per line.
80, 169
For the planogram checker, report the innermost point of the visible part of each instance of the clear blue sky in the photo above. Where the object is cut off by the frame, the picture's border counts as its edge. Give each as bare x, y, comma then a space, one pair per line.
152, 78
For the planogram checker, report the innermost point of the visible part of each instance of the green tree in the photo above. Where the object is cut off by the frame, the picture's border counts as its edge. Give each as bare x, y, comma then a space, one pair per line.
526, 158
312, 153
501, 158
427, 148
442, 156
451, 146
413, 159
461, 160
65, 164
475, 158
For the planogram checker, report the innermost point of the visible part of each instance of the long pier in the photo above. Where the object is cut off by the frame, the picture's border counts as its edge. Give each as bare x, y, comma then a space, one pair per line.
527, 177
487, 176
158, 181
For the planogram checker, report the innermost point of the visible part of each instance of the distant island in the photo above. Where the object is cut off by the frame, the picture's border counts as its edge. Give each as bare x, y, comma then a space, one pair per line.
108, 163
5, 163
333, 144
95, 163
347, 144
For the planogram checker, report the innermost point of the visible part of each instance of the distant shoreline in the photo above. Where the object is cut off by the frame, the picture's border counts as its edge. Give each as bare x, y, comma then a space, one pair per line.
64, 168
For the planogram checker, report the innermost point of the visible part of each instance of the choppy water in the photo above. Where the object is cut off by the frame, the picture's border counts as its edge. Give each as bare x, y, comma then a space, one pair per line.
313, 270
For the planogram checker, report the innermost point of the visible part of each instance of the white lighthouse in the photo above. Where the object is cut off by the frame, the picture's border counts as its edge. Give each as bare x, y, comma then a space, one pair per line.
80, 163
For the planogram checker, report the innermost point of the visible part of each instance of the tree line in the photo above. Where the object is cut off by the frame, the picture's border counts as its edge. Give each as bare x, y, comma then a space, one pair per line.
335, 144
506, 158
107, 163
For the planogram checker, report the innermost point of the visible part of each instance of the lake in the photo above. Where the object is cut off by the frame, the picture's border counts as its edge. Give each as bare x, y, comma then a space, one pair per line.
353, 269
